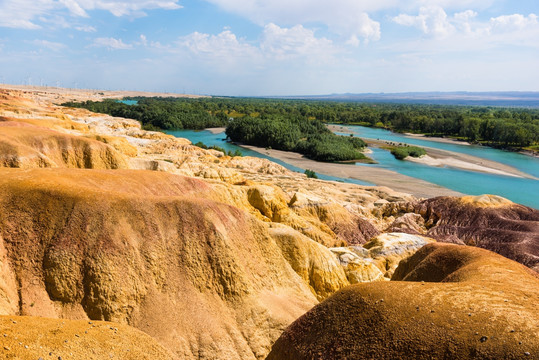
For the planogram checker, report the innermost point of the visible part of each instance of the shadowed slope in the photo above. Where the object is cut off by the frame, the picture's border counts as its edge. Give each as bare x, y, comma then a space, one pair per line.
150, 249
487, 221
485, 307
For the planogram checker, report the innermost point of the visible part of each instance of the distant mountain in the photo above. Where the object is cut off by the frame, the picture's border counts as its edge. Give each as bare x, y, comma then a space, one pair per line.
502, 98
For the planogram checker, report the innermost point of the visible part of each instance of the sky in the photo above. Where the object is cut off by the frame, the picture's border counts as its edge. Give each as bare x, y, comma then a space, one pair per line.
277, 47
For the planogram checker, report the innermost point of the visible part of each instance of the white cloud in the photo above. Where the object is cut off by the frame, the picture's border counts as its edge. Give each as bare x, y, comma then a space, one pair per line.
515, 22
111, 44
55, 46
86, 28
463, 20
348, 18
457, 4
24, 13
20, 13
275, 44
122, 8
224, 45
143, 39
283, 43
434, 21
431, 20
74, 7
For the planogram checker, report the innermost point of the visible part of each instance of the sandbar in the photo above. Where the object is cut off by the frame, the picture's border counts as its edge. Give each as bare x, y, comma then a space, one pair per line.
378, 176
443, 158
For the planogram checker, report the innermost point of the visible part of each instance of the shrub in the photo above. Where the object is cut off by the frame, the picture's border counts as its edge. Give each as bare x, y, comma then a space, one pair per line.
311, 174
401, 152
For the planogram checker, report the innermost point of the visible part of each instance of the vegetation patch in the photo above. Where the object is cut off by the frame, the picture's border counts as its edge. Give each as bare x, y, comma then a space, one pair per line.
401, 152
509, 128
311, 174
308, 137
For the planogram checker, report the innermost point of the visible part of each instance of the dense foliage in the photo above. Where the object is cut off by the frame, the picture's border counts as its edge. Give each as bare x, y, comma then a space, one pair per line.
502, 127
309, 137
156, 113
401, 152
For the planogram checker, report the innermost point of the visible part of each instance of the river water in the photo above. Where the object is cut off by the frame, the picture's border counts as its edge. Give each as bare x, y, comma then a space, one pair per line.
519, 190
210, 139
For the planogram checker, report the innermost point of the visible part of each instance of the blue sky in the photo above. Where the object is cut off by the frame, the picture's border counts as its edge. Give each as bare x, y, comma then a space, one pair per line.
278, 47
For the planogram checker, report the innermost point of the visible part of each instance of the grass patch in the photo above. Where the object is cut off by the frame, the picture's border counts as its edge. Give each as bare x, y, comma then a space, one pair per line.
311, 174
401, 152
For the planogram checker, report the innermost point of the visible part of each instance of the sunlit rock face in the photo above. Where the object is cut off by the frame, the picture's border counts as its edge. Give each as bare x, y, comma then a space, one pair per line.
148, 249
378, 259
451, 301
32, 337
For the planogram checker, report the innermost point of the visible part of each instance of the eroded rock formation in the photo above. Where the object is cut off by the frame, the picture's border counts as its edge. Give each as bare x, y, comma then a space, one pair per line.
148, 249
213, 256
486, 221
456, 302
40, 338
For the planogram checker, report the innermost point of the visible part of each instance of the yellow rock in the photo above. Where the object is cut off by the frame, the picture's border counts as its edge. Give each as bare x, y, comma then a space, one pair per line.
25, 337
486, 200
358, 269
269, 200
312, 261
152, 250
388, 249
27, 146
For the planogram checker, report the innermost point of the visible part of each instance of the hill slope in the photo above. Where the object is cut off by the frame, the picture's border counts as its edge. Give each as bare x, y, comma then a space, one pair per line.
473, 304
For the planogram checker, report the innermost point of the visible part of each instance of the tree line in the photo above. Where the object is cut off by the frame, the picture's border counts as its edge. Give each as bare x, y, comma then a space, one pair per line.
309, 137
501, 127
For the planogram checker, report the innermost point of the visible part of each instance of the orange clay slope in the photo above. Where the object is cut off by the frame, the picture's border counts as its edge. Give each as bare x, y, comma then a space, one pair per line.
473, 304
31, 338
148, 249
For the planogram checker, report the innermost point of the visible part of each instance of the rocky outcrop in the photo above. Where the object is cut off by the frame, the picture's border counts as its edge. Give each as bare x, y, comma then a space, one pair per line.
330, 213
41, 338
349, 227
457, 302
378, 259
312, 261
358, 266
148, 249
213, 265
487, 221
28, 146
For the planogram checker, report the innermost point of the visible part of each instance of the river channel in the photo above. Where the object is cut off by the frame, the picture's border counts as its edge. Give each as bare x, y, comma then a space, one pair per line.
519, 190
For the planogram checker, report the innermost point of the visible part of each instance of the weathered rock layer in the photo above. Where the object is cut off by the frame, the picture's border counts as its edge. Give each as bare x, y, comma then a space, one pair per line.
148, 249
487, 221
473, 304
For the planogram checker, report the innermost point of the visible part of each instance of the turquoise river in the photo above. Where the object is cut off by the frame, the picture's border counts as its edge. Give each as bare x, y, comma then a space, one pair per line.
519, 190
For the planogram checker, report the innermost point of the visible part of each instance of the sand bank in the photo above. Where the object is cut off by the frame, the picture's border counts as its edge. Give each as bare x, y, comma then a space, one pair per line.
437, 139
443, 158
216, 130
345, 130
378, 176
450, 158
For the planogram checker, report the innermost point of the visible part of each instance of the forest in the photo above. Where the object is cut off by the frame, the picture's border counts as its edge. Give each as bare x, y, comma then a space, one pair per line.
494, 126
305, 136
